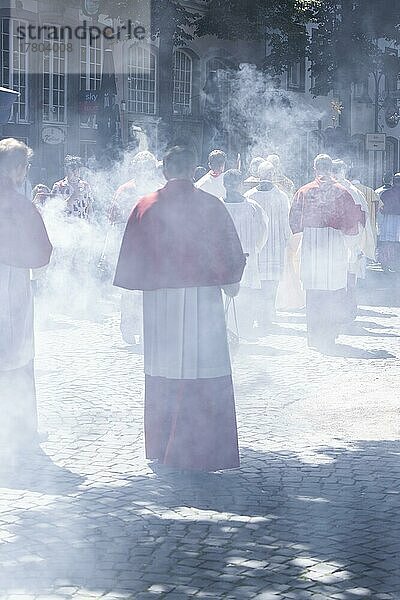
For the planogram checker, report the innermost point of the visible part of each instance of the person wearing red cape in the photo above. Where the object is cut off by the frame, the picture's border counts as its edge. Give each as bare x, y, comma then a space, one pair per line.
330, 222
24, 245
181, 248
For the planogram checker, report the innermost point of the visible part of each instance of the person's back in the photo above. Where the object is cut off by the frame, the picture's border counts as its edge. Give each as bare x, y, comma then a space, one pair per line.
386, 183
213, 181
372, 198
325, 213
324, 253
180, 248
389, 227
24, 245
275, 204
391, 199
281, 181
253, 179
251, 225
123, 202
246, 216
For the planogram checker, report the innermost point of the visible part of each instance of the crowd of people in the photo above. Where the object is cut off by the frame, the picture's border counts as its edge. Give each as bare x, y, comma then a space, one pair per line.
198, 254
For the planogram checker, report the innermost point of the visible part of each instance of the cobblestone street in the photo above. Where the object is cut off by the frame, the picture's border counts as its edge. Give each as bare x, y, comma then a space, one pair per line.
313, 512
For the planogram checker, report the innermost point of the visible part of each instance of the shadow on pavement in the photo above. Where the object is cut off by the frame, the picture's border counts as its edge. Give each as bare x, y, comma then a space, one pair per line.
37, 473
351, 352
327, 523
258, 350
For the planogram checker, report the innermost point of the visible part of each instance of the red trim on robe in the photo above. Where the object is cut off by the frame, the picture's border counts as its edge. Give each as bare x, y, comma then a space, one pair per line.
179, 237
325, 203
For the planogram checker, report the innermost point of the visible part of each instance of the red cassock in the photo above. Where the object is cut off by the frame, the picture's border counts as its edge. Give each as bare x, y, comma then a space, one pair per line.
325, 212
177, 239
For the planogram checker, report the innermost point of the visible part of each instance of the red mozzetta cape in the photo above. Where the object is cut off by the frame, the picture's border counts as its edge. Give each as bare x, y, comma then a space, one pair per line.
23, 237
325, 203
179, 237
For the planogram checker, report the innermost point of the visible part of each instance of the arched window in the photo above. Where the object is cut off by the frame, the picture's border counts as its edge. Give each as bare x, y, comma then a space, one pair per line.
218, 73
183, 83
142, 80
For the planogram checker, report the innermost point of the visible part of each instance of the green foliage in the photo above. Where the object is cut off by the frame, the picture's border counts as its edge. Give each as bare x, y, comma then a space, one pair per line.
168, 17
342, 48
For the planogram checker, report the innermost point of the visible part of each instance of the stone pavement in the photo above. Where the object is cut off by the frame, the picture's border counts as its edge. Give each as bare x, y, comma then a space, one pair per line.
313, 512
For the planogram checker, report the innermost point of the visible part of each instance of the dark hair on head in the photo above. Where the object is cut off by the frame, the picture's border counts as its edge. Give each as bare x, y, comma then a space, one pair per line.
216, 159
323, 164
179, 163
199, 172
232, 179
72, 162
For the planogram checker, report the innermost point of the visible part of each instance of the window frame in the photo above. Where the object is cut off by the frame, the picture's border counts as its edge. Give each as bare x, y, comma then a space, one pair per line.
9, 49
89, 75
134, 104
175, 103
50, 55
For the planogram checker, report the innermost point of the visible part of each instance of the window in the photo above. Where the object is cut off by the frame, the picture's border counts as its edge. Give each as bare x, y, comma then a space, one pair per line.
142, 80
91, 63
54, 80
14, 66
183, 74
294, 81
91, 59
218, 75
296, 75
87, 149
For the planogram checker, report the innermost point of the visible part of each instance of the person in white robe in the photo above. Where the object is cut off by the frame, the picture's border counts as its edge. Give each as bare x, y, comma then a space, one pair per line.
251, 225
363, 246
253, 178
275, 204
24, 245
144, 181
213, 181
284, 183
327, 216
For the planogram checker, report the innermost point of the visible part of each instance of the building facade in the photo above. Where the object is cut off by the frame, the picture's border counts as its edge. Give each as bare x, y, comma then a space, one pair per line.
60, 85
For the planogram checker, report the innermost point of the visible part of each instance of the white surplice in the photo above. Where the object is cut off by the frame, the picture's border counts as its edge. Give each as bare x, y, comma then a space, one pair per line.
185, 333
324, 259
16, 318
251, 225
275, 204
362, 246
212, 185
